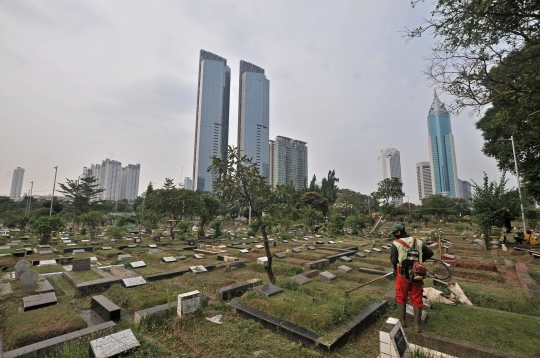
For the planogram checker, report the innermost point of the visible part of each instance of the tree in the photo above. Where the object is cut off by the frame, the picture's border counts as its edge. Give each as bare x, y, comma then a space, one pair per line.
207, 210
348, 202
314, 200
355, 223
81, 192
329, 188
389, 189
238, 182
44, 226
310, 217
125, 220
172, 202
493, 204
313, 184
116, 232
93, 220
437, 205
474, 37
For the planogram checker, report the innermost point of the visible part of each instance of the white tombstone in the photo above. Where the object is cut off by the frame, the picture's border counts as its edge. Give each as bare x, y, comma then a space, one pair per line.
188, 303
392, 340
262, 260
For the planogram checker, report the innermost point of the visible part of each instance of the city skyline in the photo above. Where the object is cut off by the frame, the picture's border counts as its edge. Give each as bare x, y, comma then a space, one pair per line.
135, 97
117, 182
288, 162
389, 166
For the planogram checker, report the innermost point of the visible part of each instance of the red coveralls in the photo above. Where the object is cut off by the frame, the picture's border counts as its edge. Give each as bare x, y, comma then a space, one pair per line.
403, 287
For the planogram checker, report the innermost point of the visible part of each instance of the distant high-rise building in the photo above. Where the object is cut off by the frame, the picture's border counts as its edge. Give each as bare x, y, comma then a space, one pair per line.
465, 189
212, 119
288, 162
444, 175
254, 116
129, 184
16, 184
389, 166
118, 183
188, 183
423, 175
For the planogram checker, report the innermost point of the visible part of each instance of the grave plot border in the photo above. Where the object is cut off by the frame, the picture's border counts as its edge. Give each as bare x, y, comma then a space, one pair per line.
49, 346
91, 287
70, 249
296, 333
166, 275
156, 314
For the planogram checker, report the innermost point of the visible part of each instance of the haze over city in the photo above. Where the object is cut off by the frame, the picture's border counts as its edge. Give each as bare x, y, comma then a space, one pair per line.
86, 81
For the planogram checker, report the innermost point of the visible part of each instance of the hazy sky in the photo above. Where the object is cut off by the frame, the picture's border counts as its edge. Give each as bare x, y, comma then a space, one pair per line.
81, 81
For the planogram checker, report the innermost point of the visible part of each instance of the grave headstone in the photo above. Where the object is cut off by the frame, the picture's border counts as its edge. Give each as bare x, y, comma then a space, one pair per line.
39, 301
5, 247
377, 250
47, 263
157, 239
296, 250
152, 246
311, 248
368, 251
168, 259
137, 264
81, 264
133, 281
29, 281
262, 260
345, 259
106, 248
259, 246
300, 279
78, 251
360, 254
154, 251
393, 342
114, 345
316, 265
244, 251
280, 255
327, 276
5, 288
268, 290
310, 273
181, 258
344, 269
221, 257
285, 241
188, 303
229, 259
274, 243
21, 267
124, 257
137, 240
319, 242
198, 256
44, 246
198, 269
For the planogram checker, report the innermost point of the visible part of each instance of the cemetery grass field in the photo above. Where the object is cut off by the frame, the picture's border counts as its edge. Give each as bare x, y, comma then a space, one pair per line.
319, 306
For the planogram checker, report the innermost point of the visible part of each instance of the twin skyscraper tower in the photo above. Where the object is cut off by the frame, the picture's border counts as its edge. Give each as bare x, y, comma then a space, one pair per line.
212, 120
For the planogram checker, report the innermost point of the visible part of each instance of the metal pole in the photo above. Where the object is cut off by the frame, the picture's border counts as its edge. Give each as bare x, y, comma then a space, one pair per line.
519, 187
31, 193
54, 185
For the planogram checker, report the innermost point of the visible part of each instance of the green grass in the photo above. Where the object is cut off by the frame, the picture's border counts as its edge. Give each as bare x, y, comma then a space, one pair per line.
47, 269
87, 275
36, 325
498, 331
504, 298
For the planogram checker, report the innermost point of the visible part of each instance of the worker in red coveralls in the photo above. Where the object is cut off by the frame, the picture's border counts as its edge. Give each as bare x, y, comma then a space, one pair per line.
405, 285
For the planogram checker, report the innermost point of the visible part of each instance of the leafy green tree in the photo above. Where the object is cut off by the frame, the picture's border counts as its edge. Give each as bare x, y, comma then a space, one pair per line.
310, 217
58, 206
183, 227
172, 202
44, 226
493, 204
122, 206
93, 220
337, 221
80, 192
355, 223
329, 188
389, 189
437, 205
116, 232
313, 187
315, 201
216, 225
125, 220
137, 203
238, 182
207, 209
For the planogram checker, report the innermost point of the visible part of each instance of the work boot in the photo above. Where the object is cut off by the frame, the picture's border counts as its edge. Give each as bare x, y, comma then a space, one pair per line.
401, 309
418, 319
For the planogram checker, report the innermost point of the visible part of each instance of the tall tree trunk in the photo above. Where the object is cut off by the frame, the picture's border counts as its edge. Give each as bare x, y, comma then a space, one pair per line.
268, 266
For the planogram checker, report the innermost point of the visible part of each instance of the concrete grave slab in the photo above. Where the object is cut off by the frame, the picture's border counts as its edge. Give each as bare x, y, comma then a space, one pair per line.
311, 248
124, 257
133, 282
244, 251
137, 264
198, 256
310, 273
44, 286
300, 279
345, 259
198, 269
39, 301
106, 248
105, 308
262, 260
327, 276
280, 255
114, 345
81, 264
316, 265
228, 259
47, 263
153, 246
168, 259
268, 290
344, 269
360, 254
5, 288
296, 250
154, 251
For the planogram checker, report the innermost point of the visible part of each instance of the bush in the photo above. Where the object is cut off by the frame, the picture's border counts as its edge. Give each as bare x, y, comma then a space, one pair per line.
355, 223
216, 225
116, 232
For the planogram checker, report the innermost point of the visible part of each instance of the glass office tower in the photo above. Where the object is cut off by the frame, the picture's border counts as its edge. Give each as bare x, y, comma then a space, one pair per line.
212, 121
442, 151
254, 116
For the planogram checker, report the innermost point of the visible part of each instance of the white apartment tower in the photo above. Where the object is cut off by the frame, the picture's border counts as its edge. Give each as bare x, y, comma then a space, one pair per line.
254, 116
288, 162
389, 166
16, 184
188, 183
212, 119
119, 183
423, 176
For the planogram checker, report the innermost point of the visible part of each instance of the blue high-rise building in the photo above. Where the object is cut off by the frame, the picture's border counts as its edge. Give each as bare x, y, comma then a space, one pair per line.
442, 151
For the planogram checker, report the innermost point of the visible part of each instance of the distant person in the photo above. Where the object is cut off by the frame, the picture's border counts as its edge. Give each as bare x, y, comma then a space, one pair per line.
401, 256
